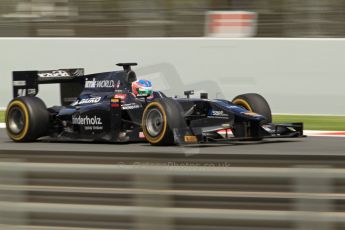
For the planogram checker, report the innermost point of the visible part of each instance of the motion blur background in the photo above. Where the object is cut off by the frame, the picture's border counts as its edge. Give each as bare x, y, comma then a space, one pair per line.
312, 58
165, 18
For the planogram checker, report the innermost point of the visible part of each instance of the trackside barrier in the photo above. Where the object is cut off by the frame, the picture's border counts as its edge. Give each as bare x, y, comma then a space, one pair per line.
153, 188
295, 75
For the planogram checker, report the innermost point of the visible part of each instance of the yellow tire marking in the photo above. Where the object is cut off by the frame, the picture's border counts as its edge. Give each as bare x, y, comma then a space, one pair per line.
155, 140
243, 103
22, 106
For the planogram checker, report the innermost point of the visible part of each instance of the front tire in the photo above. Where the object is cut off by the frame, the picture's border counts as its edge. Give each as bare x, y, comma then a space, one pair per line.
254, 103
160, 118
27, 119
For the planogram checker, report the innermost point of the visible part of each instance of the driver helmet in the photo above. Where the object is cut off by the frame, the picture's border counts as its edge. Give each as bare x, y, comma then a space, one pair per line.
142, 88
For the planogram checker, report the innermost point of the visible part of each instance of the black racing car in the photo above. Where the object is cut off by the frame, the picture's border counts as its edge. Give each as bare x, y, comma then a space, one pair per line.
101, 107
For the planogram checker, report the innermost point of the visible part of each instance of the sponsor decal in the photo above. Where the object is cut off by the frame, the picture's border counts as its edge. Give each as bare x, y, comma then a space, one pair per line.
24, 92
118, 84
92, 100
69, 99
89, 123
217, 114
121, 96
130, 106
87, 120
93, 84
19, 83
78, 72
21, 92
115, 102
54, 73
190, 139
31, 91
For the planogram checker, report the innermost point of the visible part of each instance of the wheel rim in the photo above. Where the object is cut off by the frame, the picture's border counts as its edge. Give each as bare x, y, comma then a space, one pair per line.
154, 122
243, 103
16, 123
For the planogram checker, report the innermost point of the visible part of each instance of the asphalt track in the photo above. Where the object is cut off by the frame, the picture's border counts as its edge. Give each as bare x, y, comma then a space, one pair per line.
253, 195
328, 151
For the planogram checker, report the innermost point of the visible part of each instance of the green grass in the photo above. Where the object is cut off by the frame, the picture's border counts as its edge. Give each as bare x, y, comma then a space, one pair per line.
334, 123
2, 116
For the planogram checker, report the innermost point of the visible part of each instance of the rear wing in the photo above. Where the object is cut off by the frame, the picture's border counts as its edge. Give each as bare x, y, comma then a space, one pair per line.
25, 83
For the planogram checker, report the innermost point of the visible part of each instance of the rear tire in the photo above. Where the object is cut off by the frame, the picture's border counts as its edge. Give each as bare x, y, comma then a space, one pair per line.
160, 118
27, 119
254, 103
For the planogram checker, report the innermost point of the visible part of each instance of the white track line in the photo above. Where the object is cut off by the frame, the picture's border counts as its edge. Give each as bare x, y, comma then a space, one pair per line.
2, 125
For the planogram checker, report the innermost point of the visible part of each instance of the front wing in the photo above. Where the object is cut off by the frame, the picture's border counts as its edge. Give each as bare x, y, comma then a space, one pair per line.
281, 130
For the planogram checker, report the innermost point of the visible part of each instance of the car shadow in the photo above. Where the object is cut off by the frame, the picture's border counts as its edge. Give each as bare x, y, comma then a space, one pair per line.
232, 143
146, 144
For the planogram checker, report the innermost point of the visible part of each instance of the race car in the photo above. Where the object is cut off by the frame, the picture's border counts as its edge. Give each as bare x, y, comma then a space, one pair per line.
117, 107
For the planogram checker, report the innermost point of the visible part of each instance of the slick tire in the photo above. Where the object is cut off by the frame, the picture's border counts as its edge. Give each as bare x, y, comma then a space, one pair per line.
160, 118
254, 103
27, 119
